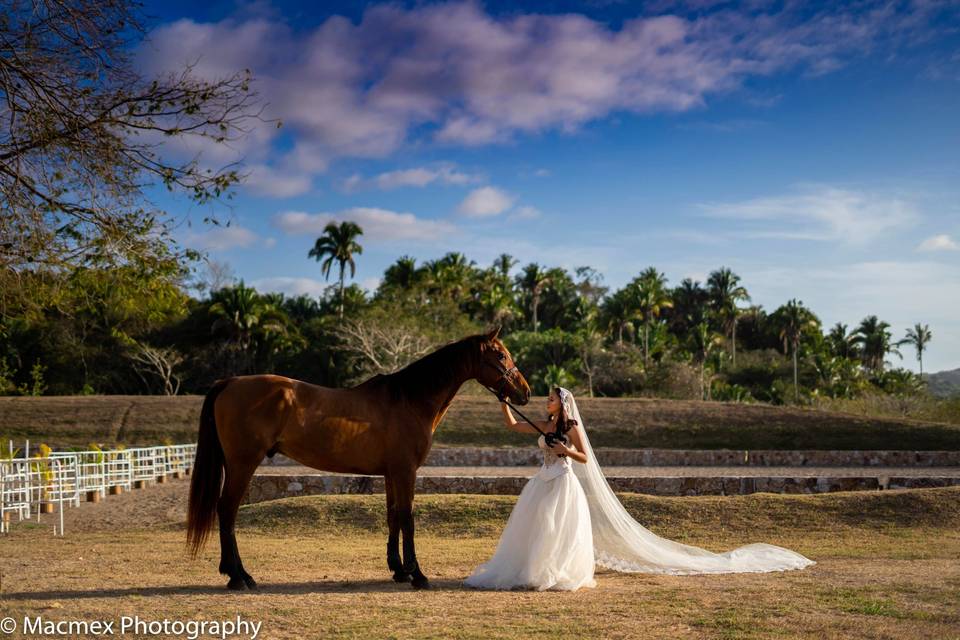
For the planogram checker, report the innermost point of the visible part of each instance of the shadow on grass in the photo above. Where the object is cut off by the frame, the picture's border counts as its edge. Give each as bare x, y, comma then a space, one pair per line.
279, 588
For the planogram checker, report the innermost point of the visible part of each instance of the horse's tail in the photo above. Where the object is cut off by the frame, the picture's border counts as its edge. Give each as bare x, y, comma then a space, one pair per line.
207, 475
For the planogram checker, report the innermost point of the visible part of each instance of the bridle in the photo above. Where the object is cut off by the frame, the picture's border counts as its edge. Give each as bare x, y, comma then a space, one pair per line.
505, 374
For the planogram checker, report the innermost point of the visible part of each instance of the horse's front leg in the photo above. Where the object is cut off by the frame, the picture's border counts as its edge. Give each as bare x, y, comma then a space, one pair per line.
404, 484
394, 563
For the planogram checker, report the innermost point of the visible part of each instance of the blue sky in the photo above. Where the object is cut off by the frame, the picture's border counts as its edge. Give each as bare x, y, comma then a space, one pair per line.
811, 148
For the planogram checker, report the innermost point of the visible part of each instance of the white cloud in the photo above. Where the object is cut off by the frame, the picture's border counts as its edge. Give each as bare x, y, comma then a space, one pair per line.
419, 177
222, 238
291, 286
361, 88
264, 180
820, 213
526, 213
485, 202
941, 242
352, 183
377, 224
414, 177
370, 284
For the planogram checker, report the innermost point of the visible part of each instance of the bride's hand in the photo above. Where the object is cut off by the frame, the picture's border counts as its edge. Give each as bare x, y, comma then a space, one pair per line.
559, 448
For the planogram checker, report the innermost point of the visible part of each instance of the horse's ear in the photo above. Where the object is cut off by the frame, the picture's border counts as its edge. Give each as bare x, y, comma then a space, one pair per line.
494, 333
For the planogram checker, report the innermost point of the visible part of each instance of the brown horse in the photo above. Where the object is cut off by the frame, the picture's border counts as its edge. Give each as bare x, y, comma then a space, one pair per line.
383, 426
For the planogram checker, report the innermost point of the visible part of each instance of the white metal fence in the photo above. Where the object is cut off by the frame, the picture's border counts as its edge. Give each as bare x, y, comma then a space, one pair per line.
31, 486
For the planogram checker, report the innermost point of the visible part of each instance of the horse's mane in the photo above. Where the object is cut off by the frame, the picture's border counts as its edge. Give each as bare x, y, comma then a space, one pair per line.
420, 377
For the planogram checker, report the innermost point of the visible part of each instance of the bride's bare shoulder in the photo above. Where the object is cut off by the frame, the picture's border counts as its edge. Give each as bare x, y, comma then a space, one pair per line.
574, 434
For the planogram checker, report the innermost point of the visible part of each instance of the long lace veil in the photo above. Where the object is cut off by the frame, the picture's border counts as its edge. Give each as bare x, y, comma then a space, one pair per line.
623, 544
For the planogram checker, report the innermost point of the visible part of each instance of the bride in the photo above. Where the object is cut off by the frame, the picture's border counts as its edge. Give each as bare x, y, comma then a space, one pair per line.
567, 520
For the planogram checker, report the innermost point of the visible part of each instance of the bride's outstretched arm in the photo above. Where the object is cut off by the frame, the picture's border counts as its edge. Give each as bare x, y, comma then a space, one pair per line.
511, 422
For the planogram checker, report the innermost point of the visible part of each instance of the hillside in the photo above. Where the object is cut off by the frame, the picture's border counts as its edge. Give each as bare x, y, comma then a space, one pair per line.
476, 421
944, 384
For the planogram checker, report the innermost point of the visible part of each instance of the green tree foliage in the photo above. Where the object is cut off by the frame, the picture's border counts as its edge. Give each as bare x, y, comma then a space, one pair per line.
80, 327
134, 330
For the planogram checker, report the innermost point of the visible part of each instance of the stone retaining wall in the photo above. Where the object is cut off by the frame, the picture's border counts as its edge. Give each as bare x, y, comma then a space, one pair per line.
265, 487
523, 456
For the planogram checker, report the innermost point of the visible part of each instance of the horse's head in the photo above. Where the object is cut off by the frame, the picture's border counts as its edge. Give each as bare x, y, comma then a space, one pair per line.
498, 371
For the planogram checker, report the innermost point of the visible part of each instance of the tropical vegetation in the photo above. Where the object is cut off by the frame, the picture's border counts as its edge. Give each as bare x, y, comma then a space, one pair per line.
138, 330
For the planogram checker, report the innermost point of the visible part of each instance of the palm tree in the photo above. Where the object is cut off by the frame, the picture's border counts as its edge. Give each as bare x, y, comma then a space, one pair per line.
503, 264
617, 313
587, 338
706, 341
496, 300
248, 319
876, 341
353, 297
534, 280
919, 336
794, 320
590, 284
842, 341
237, 311
689, 306
451, 275
557, 376
725, 292
301, 308
651, 297
402, 273
338, 244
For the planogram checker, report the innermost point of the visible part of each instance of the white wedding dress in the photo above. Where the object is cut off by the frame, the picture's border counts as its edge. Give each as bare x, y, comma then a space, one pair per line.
567, 519
547, 542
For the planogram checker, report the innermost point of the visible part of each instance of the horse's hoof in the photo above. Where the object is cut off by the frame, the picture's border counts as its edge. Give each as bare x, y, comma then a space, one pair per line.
236, 584
401, 576
420, 582
250, 582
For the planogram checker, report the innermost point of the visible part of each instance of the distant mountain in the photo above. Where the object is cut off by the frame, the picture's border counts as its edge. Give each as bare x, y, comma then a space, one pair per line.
944, 383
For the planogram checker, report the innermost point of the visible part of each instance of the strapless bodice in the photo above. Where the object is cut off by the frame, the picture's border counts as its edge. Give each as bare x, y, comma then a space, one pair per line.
553, 465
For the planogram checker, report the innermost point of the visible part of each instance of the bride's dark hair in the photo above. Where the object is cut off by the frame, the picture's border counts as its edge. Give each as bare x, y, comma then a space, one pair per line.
564, 422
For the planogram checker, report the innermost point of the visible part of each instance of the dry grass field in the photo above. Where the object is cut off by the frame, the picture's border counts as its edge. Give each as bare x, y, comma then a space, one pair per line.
475, 420
888, 567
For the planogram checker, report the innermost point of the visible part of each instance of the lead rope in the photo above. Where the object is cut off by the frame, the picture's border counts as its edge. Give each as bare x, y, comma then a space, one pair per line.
546, 437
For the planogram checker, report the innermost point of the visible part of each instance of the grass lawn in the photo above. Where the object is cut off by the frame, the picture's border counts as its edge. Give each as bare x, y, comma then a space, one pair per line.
888, 567
476, 421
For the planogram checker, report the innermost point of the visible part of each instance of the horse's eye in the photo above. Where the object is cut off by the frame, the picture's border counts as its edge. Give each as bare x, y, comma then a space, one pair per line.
501, 355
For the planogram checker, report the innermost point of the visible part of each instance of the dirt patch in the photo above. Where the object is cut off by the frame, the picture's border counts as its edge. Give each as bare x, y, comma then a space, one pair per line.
156, 507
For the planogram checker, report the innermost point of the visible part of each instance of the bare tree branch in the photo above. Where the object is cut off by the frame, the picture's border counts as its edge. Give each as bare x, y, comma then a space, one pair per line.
82, 133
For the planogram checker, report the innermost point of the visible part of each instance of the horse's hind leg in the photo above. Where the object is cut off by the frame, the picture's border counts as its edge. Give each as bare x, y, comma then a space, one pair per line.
235, 484
394, 563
